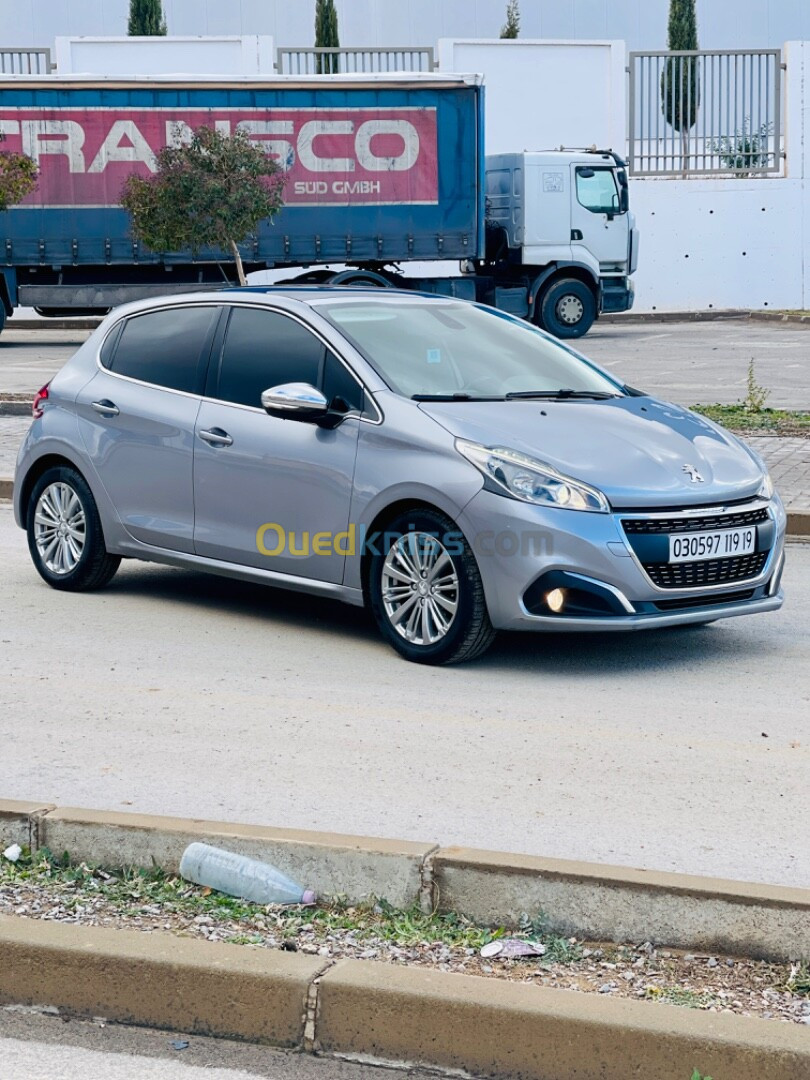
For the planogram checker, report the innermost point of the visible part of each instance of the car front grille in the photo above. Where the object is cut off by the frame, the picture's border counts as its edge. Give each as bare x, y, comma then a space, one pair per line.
712, 572
697, 523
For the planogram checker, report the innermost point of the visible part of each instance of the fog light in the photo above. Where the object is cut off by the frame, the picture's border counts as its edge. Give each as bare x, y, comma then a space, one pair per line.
556, 600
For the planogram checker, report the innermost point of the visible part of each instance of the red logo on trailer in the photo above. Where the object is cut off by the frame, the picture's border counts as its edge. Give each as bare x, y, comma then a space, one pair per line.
338, 157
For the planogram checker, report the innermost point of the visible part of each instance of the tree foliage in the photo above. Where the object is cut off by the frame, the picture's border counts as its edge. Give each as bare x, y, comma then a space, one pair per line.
326, 36
146, 19
680, 83
511, 28
213, 190
18, 177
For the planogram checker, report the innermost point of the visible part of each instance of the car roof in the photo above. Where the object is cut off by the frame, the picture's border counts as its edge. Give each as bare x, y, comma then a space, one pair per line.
308, 293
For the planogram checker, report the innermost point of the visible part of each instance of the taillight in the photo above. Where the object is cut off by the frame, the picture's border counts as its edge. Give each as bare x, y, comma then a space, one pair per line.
41, 395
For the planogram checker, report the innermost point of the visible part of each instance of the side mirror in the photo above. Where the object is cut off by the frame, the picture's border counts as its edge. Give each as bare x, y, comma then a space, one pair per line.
295, 401
624, 194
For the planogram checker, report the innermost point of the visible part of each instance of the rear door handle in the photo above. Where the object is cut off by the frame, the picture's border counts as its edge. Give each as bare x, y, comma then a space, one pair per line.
216, 437
105, 407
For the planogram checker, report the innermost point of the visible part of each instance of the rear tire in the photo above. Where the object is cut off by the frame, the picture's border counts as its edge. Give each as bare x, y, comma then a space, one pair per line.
567, 308
64, 533
426, 591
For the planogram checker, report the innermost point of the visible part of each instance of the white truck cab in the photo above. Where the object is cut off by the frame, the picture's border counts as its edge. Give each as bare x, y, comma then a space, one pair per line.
559, 226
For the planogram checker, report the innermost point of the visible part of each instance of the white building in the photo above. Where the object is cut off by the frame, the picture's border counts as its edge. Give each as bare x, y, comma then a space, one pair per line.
723, 24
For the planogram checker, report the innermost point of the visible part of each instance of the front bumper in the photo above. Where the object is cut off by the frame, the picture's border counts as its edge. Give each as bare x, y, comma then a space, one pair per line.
520, 547
616, 294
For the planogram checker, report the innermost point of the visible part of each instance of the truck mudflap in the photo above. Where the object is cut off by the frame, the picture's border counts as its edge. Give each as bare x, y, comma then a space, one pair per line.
616, 295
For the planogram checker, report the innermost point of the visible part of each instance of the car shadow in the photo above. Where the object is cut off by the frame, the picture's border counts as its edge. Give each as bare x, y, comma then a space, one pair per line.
580, 655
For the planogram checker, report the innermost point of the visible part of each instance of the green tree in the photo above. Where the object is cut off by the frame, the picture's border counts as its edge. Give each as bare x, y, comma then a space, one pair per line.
146, 19
680, 81
18, 176
211, 191
511, 28
326, 36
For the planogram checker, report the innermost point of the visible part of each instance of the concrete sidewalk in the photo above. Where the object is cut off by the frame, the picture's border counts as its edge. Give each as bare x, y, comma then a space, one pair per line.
788, 460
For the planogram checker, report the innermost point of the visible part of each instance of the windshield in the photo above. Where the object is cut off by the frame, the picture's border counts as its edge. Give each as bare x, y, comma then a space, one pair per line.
425, 349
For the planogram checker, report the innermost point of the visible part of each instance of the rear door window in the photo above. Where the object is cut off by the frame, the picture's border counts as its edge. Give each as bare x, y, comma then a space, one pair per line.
167, 348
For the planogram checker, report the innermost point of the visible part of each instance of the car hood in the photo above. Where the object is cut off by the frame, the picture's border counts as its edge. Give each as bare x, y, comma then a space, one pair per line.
634, 449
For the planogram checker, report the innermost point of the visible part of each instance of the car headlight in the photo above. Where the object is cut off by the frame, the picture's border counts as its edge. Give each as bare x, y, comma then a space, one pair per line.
508, 472
766, 490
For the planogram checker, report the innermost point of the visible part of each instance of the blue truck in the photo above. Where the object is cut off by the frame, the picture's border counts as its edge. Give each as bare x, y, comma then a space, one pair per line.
381, 172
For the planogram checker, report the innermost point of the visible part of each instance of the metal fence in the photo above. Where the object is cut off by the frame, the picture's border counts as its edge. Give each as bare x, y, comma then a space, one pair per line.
350, 61
25, 62
698, 113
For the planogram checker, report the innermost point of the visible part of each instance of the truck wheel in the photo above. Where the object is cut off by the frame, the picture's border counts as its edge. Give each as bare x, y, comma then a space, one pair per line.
2, 316
566, 309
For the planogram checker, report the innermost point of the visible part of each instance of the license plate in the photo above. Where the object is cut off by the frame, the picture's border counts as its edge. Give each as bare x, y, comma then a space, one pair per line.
717, 544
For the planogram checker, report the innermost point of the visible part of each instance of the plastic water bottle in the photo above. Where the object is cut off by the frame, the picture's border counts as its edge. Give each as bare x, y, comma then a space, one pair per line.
237, 875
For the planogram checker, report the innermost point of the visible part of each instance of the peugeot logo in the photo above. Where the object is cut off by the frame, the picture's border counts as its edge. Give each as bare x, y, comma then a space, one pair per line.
694, 475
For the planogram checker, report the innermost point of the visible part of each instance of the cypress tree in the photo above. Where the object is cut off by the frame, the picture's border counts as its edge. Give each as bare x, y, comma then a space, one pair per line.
680, 80
511, 28
146, 19
326, 36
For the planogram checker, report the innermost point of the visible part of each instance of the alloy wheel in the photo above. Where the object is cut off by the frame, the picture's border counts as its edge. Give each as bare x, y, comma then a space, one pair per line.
60, 528
420, 590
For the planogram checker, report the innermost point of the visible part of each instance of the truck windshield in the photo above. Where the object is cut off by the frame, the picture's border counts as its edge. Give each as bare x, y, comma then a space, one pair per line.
460, 351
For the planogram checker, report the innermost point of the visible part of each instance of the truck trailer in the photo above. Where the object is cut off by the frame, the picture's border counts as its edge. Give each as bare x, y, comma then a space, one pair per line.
380, 171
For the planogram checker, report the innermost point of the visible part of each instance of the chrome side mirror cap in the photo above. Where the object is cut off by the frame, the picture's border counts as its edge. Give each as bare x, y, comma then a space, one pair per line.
295, 401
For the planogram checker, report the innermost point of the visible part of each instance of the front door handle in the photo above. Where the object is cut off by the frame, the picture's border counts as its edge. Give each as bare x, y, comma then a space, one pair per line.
105, 407
216, 437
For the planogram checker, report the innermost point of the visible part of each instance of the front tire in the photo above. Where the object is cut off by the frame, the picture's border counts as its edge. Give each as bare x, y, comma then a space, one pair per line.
567, 308
426, 591
64, 533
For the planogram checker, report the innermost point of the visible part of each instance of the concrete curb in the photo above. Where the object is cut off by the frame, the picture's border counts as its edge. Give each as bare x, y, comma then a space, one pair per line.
329, 863
16, 408
715, 315
604, 902
622, 904
798, 521
367, 1009
156, 980
78, 323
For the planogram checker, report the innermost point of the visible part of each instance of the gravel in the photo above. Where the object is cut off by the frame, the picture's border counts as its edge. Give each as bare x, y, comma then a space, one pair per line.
376, 932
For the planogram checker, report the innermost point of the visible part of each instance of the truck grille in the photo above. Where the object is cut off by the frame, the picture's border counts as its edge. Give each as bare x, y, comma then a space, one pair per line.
712, 572
688, 523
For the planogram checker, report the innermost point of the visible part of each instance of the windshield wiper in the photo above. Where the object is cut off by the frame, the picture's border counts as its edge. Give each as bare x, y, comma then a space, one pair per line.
555, 395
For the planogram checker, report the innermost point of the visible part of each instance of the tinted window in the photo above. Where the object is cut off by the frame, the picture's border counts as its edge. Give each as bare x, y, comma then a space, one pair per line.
164, 347
108, 348
339, 383
264, 349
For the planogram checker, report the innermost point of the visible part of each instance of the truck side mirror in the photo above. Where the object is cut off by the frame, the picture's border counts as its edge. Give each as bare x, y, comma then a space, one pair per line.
624, 193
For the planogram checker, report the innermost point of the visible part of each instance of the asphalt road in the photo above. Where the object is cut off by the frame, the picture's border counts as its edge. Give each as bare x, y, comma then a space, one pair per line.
45, 1047
690, 363
177, 693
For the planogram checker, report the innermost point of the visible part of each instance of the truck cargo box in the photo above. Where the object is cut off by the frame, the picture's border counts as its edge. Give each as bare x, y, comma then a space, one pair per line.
381, 168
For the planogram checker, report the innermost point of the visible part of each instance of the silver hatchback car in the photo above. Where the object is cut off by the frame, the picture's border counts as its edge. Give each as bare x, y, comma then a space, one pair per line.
451, 467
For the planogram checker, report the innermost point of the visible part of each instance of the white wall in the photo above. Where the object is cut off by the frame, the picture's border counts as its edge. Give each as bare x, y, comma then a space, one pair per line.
249, 55
723, 24
737, 243
712, 243
541, 95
